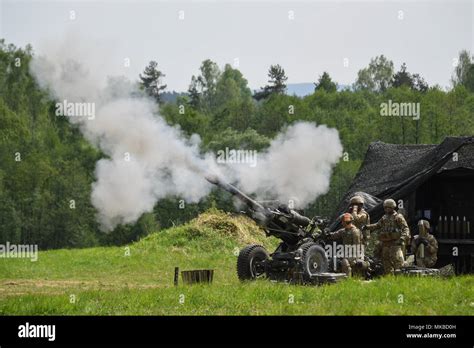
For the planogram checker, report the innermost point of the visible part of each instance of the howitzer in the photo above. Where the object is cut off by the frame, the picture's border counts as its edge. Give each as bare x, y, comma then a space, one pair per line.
281, 222
299, 257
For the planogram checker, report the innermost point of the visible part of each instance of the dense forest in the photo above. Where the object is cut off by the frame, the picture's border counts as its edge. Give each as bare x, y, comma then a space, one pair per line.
47, 168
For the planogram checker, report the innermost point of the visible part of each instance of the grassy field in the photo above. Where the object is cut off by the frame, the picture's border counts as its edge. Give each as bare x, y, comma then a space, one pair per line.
138, 280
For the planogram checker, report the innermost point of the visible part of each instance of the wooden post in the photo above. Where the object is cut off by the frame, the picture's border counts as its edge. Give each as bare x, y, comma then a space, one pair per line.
176, 276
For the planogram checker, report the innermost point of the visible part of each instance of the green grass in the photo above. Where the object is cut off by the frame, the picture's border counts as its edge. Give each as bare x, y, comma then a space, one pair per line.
105, 281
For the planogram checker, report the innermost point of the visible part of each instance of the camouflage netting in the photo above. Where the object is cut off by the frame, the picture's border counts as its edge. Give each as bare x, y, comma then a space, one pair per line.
394, 171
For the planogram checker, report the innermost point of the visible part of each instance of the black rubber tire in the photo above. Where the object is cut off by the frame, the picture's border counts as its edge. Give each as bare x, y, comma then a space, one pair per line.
245, 261
314, 260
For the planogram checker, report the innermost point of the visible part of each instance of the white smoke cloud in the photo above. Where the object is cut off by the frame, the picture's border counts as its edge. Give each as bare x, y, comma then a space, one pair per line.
148, 160
296, 167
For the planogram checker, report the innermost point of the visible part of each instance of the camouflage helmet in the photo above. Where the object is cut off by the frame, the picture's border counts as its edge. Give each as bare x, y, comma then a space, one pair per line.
424, 223
357, 200
390, 203
423, 228
347, 218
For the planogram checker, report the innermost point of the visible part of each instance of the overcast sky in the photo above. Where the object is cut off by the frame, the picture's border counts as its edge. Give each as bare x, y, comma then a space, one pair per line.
305, 37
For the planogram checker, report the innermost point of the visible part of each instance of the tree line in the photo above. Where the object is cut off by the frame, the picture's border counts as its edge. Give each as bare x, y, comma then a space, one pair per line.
47, 167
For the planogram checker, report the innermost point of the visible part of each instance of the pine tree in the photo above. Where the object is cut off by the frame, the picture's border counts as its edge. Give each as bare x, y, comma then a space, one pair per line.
277, 85
151, 81
325, 83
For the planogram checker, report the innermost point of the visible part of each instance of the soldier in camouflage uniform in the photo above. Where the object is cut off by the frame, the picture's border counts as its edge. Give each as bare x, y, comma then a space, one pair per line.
350, 235
361, 217
424, 246
393, 235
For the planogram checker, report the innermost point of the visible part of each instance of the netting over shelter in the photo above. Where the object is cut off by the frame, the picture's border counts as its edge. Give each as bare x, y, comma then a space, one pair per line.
395, 171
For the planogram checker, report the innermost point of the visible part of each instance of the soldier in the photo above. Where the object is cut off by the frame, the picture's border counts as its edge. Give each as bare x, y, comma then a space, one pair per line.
393, 235
424, 246
352, 236
361, 217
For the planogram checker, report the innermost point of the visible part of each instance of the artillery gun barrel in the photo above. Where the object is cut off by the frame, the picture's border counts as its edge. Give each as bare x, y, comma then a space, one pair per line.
282, 222
234, 191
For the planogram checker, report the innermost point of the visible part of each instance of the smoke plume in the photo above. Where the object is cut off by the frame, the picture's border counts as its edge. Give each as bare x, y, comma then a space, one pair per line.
148, 160
297, 166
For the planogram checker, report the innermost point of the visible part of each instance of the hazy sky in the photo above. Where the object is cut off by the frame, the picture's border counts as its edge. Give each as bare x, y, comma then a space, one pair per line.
305, 37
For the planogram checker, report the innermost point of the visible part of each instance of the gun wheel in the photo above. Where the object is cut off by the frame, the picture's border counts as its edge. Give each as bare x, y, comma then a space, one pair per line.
314, 260
249, 262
